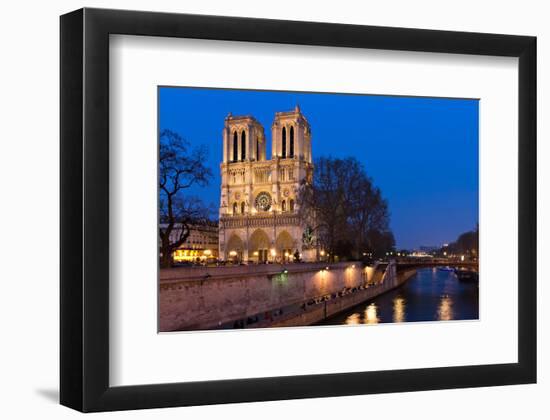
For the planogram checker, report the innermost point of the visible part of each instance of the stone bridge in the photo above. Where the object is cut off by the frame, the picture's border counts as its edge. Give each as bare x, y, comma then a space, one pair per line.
407, 264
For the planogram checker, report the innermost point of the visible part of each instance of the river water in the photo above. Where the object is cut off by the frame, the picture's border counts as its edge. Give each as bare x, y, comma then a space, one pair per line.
431, 295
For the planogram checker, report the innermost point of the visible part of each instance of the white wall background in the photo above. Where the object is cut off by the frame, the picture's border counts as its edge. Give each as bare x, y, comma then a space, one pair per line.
29, 268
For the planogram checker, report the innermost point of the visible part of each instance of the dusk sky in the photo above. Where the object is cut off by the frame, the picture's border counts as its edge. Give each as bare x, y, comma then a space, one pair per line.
421, 152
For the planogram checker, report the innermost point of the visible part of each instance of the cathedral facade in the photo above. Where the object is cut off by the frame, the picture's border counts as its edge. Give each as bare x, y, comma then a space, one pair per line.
259, 218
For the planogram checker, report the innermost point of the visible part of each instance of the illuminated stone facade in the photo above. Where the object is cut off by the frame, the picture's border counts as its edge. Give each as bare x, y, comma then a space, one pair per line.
258, 206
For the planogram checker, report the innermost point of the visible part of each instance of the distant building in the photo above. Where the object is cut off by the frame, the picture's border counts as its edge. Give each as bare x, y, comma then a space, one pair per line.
258, 202
200, 245
430, 248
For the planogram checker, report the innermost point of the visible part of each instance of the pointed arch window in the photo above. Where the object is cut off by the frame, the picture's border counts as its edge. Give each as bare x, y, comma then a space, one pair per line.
291, 147
234, 208
257, 148
283, 153
291, 205
242, 207
243, 145
235, 147
283, 205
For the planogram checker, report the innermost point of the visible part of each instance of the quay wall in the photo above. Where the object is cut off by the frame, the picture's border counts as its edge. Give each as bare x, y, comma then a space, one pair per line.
192, 298
329, 308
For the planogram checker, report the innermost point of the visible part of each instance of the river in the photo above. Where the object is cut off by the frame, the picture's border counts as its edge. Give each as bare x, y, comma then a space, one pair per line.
431, 295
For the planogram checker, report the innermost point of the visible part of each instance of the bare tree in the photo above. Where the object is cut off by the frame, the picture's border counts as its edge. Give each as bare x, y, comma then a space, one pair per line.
343, 209
370, 219
467, 243
179, 169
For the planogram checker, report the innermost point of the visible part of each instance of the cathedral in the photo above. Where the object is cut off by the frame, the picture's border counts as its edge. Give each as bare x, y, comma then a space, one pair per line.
259, 219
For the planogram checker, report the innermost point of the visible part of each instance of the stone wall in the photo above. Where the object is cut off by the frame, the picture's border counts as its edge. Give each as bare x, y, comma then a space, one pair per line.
207, 297
329, 308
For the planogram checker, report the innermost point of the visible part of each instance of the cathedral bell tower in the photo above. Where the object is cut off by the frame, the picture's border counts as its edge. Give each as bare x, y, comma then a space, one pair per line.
243, 139
291, 136
291, 157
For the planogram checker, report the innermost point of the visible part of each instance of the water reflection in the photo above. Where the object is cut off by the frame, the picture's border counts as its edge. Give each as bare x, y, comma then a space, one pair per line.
371, 314
353, 319
398, 309
431, 295
445, 310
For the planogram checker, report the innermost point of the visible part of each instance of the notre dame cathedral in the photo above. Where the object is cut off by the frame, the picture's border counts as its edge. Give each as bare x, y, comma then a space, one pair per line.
259, 219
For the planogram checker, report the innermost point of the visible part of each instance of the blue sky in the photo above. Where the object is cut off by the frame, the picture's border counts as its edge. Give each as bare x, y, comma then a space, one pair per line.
421, 152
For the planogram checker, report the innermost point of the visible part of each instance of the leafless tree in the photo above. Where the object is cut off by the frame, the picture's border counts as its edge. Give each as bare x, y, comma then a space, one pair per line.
467, 243
180, 167
344, 210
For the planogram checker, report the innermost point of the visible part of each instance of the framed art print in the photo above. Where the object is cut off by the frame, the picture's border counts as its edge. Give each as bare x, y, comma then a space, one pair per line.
257, 209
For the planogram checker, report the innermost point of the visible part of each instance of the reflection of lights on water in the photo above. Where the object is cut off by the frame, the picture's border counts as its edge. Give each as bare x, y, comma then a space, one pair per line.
371, 314
399, 309
352, 319
445, 310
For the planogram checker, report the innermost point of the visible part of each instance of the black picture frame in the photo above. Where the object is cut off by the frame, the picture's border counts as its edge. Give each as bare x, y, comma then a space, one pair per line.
84, 127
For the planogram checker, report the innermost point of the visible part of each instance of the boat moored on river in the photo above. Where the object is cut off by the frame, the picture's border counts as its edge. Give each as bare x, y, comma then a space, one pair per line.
466, 274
